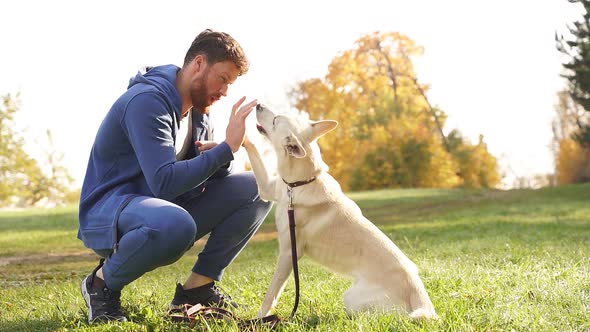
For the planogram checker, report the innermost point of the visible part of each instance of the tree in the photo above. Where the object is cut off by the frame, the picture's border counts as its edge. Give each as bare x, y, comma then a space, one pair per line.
572, 160
577, 70
389, 44
477, 167
22, 180
389, 134
405, 157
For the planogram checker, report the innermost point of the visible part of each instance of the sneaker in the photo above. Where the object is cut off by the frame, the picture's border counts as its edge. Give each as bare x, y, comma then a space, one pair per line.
103, 304
207, 295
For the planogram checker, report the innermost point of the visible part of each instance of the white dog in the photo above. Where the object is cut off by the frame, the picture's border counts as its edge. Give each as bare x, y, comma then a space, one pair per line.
330, 228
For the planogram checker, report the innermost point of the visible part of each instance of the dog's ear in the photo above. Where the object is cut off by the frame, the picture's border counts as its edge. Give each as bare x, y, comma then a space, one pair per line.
293, 147
320, 128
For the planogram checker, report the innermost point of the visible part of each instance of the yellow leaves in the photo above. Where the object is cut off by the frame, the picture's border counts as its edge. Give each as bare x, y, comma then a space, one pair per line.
572, 162
442, 171
387, 135
476, 166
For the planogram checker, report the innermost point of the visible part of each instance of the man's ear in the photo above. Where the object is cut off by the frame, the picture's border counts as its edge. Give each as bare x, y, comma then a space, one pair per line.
198, 62
293, 147
320, 128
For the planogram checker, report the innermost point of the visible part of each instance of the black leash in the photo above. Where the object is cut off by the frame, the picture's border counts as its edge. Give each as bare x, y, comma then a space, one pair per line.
291, 213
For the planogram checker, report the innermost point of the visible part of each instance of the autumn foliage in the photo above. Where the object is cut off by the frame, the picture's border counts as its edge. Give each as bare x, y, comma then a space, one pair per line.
572, 162
572, 159
389, 135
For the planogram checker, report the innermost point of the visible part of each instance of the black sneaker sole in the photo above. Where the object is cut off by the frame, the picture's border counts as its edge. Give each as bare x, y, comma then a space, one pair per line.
86, 296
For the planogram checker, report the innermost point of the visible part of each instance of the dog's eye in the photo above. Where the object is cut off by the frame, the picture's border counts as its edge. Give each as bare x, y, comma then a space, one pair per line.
274, 120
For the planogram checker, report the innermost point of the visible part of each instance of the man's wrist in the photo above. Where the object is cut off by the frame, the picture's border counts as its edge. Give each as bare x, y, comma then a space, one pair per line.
234, 147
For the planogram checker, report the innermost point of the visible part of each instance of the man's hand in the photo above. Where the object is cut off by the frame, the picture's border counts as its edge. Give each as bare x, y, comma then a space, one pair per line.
205, 145
236, 127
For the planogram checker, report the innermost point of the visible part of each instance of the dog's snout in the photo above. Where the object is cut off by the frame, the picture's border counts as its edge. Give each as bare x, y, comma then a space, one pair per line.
259, 107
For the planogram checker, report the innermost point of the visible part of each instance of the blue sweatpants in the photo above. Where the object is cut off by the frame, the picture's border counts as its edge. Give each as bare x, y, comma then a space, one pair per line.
155, 232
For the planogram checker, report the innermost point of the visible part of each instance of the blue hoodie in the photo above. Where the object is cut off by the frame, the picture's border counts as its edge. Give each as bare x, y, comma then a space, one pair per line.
134, 155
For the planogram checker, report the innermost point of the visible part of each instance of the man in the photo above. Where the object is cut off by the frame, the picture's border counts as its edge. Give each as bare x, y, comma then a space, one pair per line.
143, 205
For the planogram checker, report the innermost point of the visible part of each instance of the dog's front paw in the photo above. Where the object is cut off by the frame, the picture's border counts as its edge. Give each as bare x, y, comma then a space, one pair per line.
261, 314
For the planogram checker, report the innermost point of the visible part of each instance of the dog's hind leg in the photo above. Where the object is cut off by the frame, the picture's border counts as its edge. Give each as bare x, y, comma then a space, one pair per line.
363, 296
421, 305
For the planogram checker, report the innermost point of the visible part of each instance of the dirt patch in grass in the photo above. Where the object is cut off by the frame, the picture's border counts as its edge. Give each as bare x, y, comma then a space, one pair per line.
48, 258
88, 255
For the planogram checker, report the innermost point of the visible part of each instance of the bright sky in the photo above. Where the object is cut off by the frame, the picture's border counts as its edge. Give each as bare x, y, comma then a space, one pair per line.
492, 65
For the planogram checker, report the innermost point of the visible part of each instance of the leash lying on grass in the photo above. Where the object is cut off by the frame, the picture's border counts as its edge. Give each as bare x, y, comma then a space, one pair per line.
194, 313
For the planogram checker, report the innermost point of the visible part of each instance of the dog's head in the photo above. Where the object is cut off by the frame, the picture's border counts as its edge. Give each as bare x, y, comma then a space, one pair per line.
290, 134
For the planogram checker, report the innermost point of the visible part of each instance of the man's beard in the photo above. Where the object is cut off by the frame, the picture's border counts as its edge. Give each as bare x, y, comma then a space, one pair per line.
199, 96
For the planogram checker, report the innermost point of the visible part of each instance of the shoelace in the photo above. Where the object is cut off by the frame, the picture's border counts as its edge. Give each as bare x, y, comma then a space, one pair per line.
112, 300
221, 293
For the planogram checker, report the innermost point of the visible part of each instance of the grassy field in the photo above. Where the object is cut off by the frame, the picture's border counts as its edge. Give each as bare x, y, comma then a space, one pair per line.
491, 261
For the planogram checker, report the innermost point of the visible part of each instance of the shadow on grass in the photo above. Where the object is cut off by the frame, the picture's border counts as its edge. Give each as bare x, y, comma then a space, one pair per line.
492, 236
62, 221
29, 324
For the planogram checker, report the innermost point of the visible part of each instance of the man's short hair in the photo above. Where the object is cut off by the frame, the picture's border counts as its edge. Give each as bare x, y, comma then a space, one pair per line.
217, 47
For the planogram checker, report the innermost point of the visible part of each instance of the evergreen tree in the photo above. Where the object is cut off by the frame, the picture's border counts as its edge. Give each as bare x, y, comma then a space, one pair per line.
577, 70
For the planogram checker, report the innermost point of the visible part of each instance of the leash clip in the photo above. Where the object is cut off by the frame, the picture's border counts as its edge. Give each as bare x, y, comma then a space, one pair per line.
290, 195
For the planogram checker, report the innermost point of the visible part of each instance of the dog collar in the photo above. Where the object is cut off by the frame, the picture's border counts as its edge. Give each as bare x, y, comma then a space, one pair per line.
298, 183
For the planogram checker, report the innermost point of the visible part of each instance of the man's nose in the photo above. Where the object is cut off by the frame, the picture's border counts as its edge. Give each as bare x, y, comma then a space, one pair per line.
223, 90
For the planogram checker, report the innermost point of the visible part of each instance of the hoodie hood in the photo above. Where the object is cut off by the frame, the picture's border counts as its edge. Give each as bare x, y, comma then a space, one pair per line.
163, 78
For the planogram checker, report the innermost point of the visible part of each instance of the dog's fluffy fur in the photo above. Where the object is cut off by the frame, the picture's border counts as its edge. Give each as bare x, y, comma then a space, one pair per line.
331, 228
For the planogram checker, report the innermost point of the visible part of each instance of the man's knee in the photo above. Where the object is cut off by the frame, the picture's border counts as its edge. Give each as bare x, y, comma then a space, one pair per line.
258, 209
244, 184
178, 230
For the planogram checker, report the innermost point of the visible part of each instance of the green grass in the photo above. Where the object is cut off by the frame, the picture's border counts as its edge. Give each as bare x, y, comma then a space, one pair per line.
491, 261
